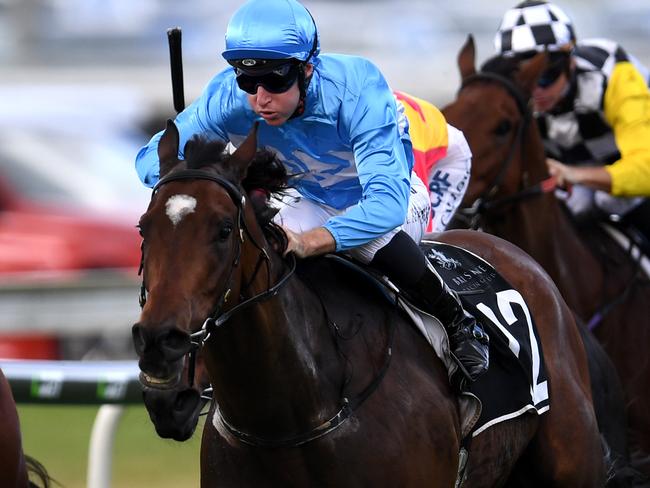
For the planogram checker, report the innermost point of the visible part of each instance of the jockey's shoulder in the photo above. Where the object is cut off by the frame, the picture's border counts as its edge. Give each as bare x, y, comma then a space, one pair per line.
348, 71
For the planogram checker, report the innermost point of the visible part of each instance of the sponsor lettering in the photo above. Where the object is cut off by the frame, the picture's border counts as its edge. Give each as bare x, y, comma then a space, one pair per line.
47, 385
438, 186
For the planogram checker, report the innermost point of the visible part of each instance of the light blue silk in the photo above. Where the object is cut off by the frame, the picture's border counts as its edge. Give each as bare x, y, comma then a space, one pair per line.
347, 148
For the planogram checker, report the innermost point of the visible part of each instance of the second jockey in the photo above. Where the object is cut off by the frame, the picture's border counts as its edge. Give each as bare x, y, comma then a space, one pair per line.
442, 158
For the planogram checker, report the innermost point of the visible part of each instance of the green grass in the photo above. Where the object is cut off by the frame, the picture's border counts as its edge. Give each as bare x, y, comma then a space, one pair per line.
59, 436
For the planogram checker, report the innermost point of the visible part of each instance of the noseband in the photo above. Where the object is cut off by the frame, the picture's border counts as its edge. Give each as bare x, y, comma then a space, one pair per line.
486, 201
217, 318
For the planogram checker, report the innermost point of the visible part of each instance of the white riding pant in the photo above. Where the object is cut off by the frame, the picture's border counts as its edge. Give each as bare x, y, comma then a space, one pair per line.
449, 179
583, 199
300, 215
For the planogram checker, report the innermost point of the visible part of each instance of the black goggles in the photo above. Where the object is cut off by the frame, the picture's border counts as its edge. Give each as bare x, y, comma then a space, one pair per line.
279, 80
559, 65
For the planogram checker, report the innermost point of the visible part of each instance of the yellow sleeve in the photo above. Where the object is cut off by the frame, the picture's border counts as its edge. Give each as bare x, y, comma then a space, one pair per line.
627, 110
427, 125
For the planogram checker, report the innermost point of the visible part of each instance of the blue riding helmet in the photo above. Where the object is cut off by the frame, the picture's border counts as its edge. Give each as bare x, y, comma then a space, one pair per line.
271, 29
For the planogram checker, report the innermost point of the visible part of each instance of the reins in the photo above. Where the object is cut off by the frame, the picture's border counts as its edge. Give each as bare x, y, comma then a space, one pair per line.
214, 321
487, 202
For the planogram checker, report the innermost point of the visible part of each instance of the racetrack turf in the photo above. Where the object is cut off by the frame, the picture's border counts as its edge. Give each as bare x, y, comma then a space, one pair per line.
59, 436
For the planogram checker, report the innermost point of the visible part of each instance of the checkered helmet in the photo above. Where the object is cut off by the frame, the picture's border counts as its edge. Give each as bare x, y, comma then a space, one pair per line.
534, 26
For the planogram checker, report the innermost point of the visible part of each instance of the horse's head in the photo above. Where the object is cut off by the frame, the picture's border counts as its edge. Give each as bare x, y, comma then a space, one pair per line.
193, 250
492, 110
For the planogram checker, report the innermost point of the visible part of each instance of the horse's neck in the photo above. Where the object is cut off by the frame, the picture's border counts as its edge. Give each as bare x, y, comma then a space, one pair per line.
541, 227
269, 365
538, 226
529, 222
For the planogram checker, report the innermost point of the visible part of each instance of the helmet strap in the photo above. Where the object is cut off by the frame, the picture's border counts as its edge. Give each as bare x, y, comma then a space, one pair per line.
303, 81
303, 84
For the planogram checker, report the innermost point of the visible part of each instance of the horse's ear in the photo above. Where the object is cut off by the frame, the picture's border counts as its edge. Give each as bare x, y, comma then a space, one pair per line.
245, 153
467, 58
168, 148
530, 71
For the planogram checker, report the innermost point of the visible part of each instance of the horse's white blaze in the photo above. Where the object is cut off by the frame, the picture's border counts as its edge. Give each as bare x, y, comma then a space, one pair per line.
178, 206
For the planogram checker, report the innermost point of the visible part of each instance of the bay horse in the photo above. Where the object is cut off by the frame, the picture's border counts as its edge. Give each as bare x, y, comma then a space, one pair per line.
511, 195
15, 466
318, 379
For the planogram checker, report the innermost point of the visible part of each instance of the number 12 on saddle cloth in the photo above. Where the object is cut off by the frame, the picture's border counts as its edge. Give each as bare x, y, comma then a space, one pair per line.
516, 381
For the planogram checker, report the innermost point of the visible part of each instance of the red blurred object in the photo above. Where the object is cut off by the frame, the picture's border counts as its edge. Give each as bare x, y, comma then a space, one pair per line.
35, 237
47, 240
29, 346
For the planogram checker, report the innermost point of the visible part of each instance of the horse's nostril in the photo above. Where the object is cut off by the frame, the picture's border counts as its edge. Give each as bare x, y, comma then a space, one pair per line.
174, 344
138, 339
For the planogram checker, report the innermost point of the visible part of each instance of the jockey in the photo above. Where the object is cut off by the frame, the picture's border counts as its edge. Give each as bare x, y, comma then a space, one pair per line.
436, 143
333, 121
592, 105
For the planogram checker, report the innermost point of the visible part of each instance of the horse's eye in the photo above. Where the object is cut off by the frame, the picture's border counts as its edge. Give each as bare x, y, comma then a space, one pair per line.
503, 128
225, 231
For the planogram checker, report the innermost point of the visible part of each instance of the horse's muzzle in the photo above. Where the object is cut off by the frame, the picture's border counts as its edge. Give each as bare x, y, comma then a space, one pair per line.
171, 343
161, 352
155, 383
175, 412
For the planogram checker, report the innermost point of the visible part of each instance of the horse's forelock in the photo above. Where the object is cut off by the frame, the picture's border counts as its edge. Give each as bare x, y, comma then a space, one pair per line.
266, 174
201, 152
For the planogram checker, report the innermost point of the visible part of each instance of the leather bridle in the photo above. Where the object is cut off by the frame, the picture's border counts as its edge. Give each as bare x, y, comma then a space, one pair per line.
218, 317
486, 202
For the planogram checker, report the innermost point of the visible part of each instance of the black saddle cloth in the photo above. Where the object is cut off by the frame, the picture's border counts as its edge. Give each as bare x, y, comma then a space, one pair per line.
516, 380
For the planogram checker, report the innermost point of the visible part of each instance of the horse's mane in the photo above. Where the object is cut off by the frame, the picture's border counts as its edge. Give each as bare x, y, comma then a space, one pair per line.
265, 172
266, 177
501, 65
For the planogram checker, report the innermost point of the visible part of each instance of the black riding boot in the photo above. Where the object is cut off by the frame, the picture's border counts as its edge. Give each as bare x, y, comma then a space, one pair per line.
468, 341
403, 261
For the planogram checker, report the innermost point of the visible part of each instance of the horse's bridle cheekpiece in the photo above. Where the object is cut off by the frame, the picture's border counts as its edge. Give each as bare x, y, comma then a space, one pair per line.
486, 201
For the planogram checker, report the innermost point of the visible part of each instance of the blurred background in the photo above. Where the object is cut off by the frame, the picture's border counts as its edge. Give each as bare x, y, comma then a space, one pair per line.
84, 83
